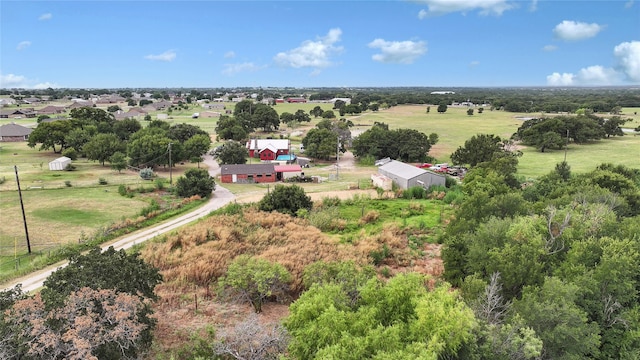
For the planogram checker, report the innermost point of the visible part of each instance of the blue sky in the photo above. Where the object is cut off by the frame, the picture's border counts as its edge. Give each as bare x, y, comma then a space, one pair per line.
433, 43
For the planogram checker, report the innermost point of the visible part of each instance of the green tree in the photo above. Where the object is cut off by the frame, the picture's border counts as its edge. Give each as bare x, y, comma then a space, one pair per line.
50, 135
149, 148
195, 182
78, 137
230, 128
102, 146
301, 116
563, 327
287, 117
183, 132
328, 114
287, 199
113, 108
442, 108
316, 111
118, 161
613, 126
126, 127
320, 144
255, 280
197, 146
396, 320
469, 111
266, 117
479, 148
231, 152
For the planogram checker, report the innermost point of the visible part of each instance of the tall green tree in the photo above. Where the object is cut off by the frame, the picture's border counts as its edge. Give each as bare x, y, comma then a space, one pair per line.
197, 146
51, 135
320, 144
479, 148
231, 152
102, 146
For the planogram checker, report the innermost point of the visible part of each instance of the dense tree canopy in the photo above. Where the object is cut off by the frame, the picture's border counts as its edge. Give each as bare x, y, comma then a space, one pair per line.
231, 152
400, 144
195, 182
287, 199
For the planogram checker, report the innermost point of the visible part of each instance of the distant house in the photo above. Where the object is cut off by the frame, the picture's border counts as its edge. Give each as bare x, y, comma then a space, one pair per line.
60, 163
50, 110
213, 106
268, 149
247, 173
296, 100
406, 175
7, 101
13, 132
18, 113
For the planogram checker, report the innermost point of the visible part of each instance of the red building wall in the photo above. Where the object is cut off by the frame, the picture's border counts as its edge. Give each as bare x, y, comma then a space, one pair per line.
258, 178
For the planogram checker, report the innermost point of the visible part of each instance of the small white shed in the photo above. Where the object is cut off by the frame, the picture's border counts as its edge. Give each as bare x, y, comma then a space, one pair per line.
59, 163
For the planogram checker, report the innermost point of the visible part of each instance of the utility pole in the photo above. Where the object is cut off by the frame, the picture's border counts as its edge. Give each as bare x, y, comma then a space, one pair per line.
24, 218
170, 167
338, 159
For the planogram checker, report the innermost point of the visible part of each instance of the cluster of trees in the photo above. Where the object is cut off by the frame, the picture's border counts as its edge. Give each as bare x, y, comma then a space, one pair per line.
555, 132
247, 117
95, 134
403, 144
329, 136
97, 307
557, 260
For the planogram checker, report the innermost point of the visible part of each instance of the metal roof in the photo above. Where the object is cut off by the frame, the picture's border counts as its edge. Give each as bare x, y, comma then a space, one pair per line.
247, 169
402, 170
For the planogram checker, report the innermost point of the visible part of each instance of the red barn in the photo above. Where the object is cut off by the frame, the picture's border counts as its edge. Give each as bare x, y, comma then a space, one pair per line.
247, 173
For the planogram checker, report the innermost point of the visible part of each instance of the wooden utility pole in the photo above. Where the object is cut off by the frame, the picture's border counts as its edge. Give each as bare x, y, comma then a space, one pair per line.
24, 218
170, 167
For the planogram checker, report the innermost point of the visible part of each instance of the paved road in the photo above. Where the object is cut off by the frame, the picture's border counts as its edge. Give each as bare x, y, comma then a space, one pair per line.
221, 197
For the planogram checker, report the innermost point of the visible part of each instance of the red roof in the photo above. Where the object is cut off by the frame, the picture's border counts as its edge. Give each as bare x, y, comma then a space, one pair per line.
287, 168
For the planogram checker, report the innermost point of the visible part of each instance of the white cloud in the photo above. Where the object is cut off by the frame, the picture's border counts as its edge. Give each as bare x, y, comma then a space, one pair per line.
557, 79
627, 68
485, 7
232, 69
398, 52
46, 16
229, 55
474, 63
628, 4
628, 57
12, 80
572, 30
168, 55
316, 54
549, 48
534, 6
23, 45
595, 75
19, 81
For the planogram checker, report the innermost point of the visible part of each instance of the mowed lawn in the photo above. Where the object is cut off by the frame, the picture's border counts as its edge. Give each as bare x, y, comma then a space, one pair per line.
454, 127
60, 216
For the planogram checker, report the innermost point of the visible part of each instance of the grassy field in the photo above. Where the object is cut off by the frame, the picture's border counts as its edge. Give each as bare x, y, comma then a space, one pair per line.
59, 213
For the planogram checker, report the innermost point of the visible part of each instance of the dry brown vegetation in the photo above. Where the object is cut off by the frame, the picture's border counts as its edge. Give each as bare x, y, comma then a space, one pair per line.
193, 259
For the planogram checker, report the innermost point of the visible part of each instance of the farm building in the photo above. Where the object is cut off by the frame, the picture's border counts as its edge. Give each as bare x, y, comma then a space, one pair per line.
406, 175
268, 149
13, 132
296, 100
60, 163
247, 173
284, 172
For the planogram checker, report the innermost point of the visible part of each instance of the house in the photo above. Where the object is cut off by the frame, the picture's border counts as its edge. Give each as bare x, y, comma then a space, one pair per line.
284, 172
407, 175
268, 149
247, 173
13, 132
7, 101
50, 110
60, 163
296, 100
213, 106
18, 113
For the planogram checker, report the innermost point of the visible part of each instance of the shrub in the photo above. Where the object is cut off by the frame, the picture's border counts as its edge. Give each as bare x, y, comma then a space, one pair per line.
67, 183
286, 199
69, 167
71, 153
369, 217
195, 182
146, 173
159, 184
255, 280
367, 160
102, 181
3, 180
415, 192
450, 182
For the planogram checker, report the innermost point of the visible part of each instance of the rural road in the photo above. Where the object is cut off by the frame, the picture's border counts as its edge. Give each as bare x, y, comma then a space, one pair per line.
220, 198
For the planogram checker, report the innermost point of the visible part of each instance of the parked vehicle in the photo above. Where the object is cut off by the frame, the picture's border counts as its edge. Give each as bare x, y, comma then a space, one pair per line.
456, 170
425, 165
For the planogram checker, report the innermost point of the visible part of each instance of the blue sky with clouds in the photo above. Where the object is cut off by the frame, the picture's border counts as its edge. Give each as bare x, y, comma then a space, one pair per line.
457, 43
